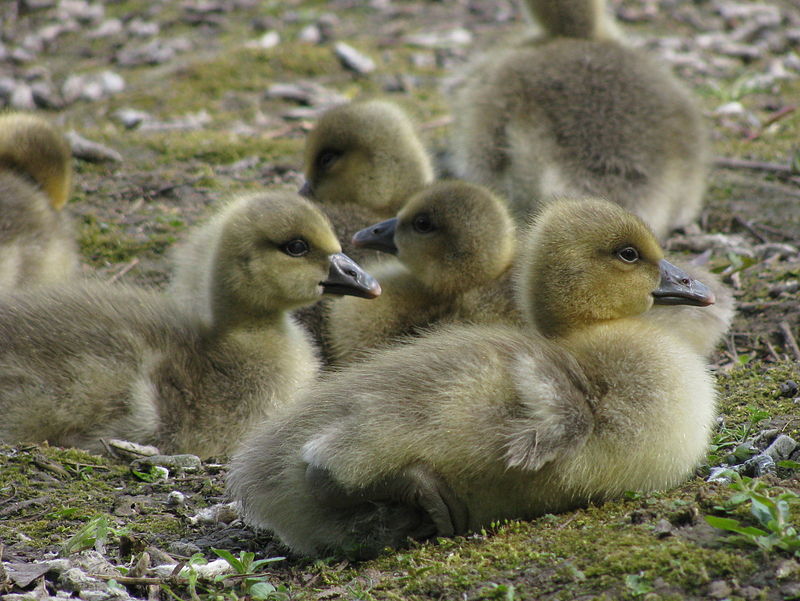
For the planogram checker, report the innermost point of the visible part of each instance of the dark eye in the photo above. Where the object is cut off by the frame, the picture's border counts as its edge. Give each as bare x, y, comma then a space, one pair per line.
422, 223
295, 248
327, 158
628, 254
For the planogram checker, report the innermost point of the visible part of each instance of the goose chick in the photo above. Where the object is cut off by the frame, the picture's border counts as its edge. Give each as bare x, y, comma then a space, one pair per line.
363, 160
367, 154
573, 113
37, 242
454, 243
478, 423
84, 362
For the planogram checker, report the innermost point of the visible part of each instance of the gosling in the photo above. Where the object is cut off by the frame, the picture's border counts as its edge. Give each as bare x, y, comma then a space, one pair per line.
574, 112
455, 245
84, 362
37, 240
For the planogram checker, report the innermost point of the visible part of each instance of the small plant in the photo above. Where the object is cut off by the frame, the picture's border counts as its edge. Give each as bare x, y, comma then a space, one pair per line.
772, 514
728, 442
256, 585
93, 534
637, 585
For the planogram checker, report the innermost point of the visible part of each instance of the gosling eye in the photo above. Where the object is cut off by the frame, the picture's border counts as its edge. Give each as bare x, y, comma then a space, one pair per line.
296, 248
327, 158
423, 224
629, 254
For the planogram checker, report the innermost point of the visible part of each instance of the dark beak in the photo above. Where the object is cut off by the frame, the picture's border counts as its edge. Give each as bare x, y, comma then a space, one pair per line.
377, 237
306, 190
678, 288
345, 277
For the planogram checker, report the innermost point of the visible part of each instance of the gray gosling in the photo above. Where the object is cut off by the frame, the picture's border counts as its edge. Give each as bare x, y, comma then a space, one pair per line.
478, 423
80, 363
37, 240
572, 112
455, 244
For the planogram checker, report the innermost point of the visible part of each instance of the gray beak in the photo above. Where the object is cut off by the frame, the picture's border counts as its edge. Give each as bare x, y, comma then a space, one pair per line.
306, 190
378, 237
345, 277
678, 288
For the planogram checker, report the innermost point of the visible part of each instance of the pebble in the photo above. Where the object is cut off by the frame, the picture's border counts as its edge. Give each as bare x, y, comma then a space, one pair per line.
131, 118
353, 59
22, 97
176, 498
93, 152
183, 461
305, 92
719, 589
781, 448
92, 86
143, 29
440, 39
758, 465
789, 387
106, 29
266, 41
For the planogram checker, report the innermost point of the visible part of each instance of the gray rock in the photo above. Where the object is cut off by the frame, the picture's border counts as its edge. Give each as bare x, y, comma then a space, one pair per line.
130, 118
183, 548
176, 498
143, 29
305, 92
108, 28
45, 96
310, 34
81, 10
759, 465
22, 97
175, 462
781, 448
353, 59
93, 152
269, 40
719, 589
75, 579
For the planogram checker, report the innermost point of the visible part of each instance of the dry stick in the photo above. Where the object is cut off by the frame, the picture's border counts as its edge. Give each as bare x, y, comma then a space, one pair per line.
790, 341
434, 123
130, 579
133, 263
750, 228
771, 351
776, 116
732, 163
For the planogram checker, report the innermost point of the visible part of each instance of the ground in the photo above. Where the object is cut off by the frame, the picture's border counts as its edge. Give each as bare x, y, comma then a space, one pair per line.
203, 72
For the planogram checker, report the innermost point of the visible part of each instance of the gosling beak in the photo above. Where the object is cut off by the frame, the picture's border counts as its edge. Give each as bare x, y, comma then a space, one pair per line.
679, 288
345, 277
377, 237
306, 190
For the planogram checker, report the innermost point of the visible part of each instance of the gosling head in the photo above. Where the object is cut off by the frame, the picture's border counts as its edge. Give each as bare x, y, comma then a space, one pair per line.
587, 261
277, 252
453, 236
366, 153
34, 148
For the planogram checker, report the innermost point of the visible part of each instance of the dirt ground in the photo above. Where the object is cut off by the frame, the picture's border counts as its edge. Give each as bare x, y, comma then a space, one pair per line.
211, 123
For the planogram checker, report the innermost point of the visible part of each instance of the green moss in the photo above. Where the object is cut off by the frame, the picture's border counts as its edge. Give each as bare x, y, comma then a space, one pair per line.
220, 147
103, 243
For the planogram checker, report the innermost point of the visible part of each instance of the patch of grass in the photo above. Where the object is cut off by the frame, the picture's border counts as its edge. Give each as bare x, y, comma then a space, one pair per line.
103, 243
220, 147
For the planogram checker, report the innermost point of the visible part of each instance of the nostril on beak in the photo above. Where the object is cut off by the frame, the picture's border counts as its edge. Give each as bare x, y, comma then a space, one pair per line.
351, 273
686, 281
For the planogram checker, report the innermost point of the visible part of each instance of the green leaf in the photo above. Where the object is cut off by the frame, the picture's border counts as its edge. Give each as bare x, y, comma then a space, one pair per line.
262, 591
789, 465
231, 559
93, 534
733, 525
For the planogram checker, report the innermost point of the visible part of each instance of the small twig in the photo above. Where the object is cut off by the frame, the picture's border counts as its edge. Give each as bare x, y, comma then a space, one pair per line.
750, 228
751, 307
434, 123
786, 330
774, 117
732, 351
130, 579
133, 263
771, 350
79, 465
732, 163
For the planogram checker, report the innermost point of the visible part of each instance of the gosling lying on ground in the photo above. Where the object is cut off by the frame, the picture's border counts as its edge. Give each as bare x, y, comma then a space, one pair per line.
454, 243
79, 363
37, 241
574, 112
473, 424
